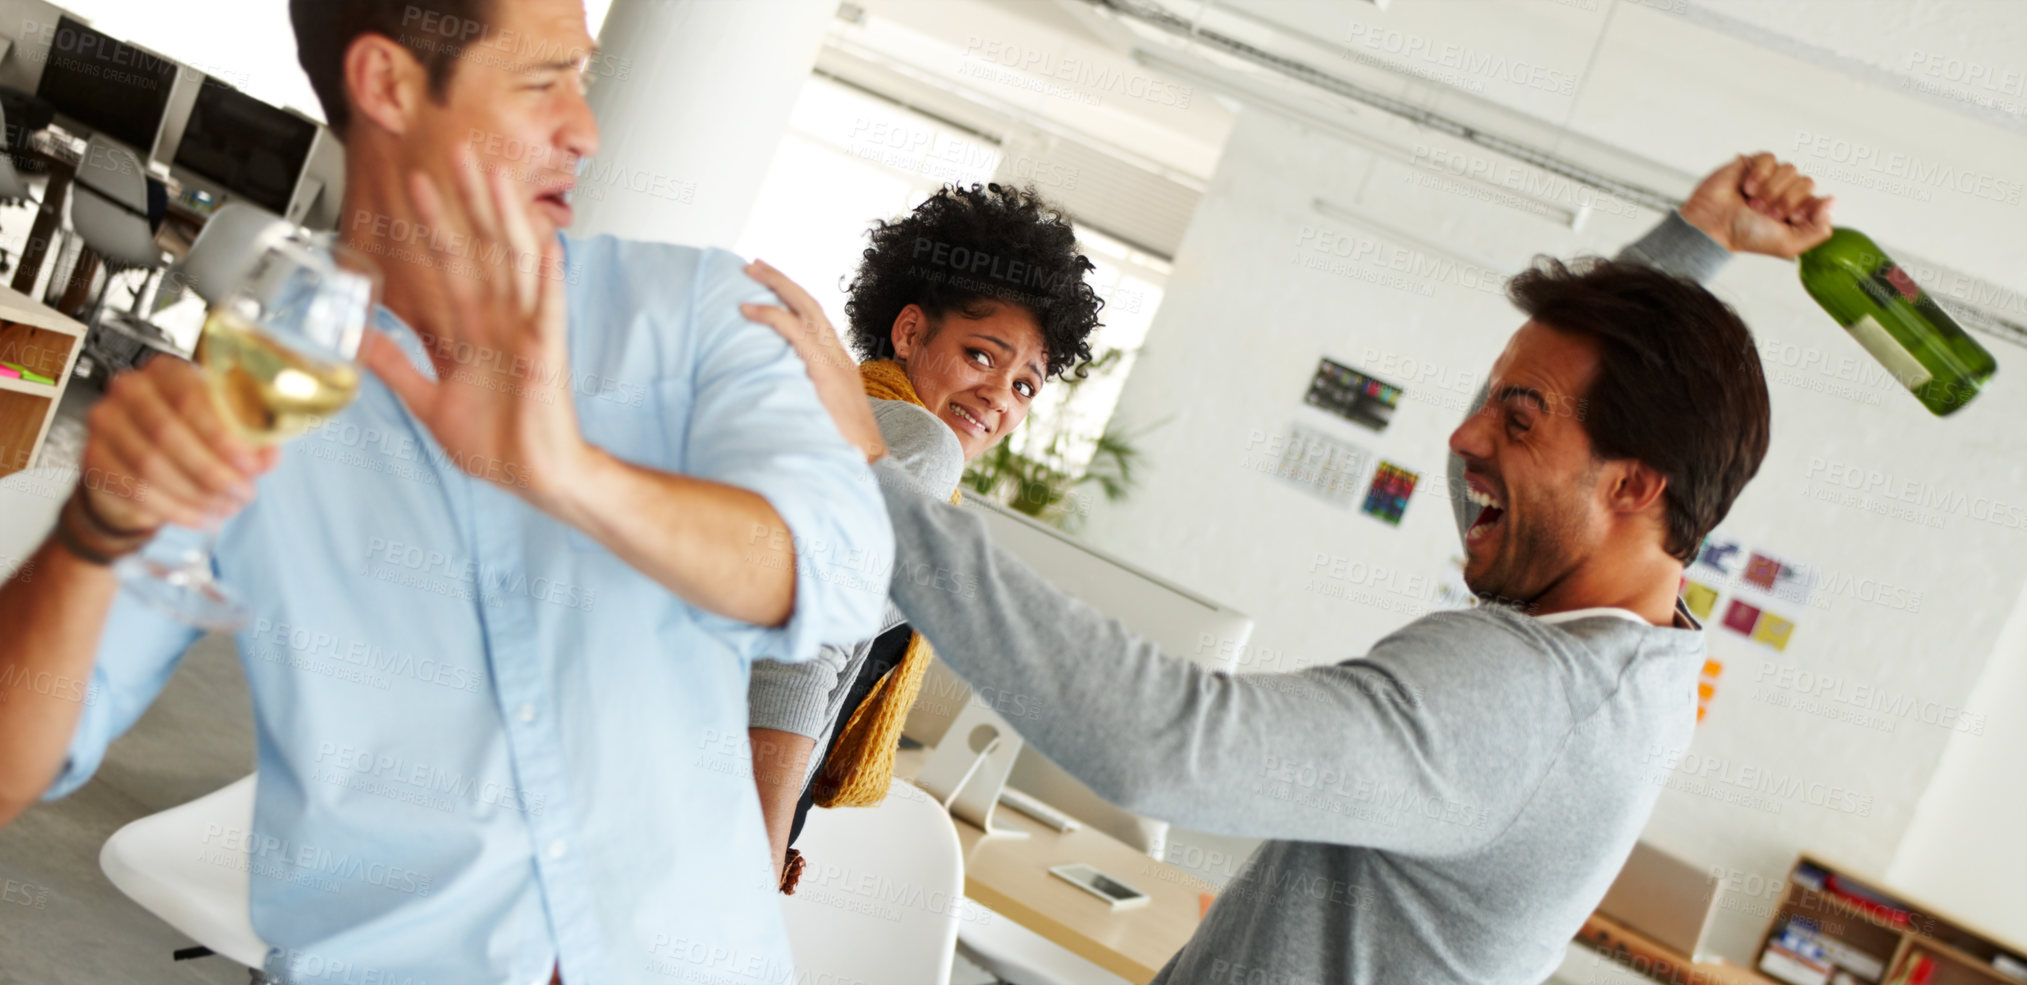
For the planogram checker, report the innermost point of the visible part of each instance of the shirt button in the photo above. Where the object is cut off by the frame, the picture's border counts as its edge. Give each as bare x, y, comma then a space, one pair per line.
526, 713
556, 849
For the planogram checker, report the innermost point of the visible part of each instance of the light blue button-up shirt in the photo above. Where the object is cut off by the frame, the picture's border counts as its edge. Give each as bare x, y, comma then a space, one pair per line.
487, 746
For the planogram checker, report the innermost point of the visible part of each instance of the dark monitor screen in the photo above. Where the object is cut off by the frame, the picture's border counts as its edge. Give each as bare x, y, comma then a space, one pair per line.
254, 150
107, 85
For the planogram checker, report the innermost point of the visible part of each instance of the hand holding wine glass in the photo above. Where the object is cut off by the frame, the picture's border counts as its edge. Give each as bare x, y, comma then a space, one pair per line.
181, 445
158, 451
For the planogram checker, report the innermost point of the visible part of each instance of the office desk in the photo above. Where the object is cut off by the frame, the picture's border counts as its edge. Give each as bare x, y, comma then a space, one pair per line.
1011, 875
1655, 960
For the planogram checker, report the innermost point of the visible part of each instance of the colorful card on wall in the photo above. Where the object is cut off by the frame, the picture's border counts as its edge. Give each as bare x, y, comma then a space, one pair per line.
1741, 617
1720, 554
1788, 582
1773, 630
1388, 496
1700, 598
1352, 395
1766, 628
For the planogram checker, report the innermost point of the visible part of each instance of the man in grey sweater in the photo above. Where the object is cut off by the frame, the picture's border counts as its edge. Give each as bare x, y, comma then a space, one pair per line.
1450, 806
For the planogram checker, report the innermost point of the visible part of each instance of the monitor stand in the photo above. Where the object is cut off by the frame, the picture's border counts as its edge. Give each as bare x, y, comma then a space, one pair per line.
966, 771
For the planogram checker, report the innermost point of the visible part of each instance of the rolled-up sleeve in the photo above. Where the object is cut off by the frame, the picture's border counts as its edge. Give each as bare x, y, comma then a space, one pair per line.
138, 650
756, 423
796, 697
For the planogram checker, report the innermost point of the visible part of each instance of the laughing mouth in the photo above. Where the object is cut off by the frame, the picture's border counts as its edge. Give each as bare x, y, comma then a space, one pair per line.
1490, 511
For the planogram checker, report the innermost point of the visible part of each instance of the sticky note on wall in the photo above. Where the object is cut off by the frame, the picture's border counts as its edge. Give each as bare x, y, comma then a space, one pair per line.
1706, 686
1700, 598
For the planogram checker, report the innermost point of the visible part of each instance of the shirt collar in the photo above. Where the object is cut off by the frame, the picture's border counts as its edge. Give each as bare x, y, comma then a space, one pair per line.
1683, 619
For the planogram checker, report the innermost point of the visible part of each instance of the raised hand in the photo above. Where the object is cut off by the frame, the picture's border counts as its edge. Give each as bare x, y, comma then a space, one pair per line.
501, 403
1760, 204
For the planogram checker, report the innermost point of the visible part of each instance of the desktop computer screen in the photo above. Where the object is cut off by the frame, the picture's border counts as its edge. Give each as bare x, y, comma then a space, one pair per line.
107, 85
254, 150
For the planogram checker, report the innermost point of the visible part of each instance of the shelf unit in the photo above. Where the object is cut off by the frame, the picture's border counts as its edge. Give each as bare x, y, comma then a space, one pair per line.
36, 337
1962, 954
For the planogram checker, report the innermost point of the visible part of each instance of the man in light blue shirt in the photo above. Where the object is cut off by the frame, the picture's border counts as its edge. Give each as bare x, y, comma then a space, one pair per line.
504, 604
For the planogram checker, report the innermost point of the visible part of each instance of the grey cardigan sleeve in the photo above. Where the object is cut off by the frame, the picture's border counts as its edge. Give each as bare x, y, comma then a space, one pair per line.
1439, 745
804, 697
1672, 246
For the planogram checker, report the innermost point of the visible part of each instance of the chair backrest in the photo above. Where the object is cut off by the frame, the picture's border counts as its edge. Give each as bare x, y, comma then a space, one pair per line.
225, 250
882, 894
109, 205
188, 866
12, 188
30, 500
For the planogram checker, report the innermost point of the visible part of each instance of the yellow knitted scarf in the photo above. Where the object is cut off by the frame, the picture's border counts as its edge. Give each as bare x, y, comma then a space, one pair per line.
861, 765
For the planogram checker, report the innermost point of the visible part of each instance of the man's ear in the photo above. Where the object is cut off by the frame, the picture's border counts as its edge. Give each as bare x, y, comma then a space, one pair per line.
384, 83
1636, 487
910, 332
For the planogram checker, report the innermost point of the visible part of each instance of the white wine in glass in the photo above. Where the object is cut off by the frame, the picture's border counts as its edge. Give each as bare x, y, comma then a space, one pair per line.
267, 391
278, 357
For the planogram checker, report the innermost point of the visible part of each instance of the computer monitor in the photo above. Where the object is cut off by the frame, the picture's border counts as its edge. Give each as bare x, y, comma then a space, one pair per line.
106, 85
254, 151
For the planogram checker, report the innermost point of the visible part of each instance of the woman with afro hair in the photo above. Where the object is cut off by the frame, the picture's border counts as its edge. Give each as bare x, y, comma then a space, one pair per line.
960, 312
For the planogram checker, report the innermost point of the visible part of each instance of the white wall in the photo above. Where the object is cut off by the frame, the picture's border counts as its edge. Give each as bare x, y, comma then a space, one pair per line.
1963, 847
1259, 292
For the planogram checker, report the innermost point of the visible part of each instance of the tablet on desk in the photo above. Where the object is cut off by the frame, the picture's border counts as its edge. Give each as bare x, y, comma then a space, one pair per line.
1098, 884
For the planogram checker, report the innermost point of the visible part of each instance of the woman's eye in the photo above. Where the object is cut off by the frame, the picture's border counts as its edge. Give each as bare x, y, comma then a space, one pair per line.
1026, 390
978, 356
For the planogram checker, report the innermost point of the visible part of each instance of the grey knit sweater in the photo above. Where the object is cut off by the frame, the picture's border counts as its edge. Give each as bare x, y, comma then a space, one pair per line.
1446, 808
805, 697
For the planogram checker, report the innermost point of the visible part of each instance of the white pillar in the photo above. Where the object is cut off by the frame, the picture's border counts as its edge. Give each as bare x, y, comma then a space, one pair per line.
692, 97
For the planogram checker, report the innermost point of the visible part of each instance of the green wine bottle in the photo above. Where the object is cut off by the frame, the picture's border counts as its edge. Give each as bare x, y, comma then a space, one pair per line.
1896, 321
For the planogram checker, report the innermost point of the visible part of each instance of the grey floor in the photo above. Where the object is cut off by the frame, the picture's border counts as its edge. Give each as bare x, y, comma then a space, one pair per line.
60, 920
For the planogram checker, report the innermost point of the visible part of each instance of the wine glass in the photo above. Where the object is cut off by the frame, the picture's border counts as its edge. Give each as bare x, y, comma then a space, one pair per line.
278, 355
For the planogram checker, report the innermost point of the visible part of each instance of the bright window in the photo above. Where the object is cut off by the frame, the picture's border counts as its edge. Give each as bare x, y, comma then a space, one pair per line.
850, 158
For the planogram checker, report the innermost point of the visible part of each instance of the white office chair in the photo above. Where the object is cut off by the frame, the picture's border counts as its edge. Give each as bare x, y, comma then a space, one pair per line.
839, 933
30, 500
109, 210
226, 249
175, 866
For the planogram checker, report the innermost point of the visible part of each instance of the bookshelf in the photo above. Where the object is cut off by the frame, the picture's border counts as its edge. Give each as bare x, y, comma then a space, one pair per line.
1830, 916
38, 339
